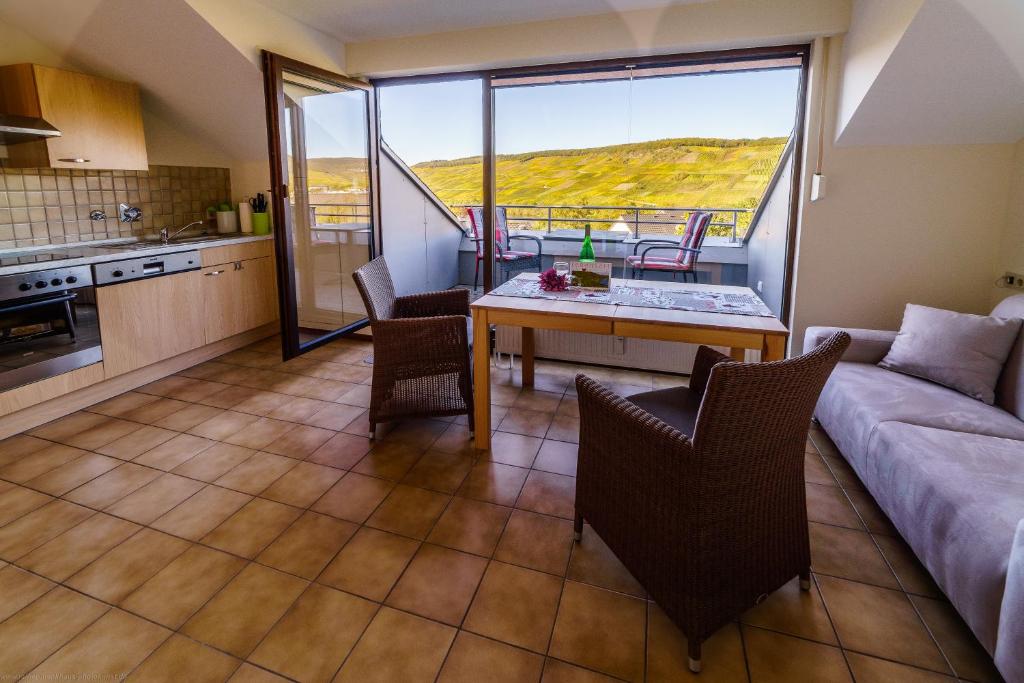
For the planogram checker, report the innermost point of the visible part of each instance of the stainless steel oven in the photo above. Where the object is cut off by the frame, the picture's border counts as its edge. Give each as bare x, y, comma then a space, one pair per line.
48, 324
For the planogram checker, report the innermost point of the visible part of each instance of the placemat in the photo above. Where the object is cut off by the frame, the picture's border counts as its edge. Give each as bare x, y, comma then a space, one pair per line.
647, 297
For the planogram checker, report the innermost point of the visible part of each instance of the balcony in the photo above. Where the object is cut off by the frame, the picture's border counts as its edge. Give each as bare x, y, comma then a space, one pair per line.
616, 223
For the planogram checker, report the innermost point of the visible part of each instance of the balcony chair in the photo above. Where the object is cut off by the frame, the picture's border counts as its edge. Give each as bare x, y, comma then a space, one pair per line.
699, 491
687, 250
508, 261
421, 349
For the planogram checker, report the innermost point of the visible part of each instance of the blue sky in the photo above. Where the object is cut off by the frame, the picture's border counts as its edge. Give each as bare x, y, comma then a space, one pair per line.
442, 120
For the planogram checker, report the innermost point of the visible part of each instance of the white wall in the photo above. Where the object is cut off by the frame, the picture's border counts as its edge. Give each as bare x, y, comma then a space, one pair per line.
420, 242
900, 224
1011, 253
252, 26
766, 249
685, 27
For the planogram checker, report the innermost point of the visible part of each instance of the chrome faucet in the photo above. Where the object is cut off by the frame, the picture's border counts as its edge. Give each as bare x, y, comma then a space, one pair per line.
166, 238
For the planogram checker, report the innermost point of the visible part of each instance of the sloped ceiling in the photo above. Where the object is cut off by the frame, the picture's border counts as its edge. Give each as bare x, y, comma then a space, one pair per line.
188, 73
954, 76
355, 20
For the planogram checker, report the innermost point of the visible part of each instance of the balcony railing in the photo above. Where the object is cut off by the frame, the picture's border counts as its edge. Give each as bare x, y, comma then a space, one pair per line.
567, 220
332, 214
628, 220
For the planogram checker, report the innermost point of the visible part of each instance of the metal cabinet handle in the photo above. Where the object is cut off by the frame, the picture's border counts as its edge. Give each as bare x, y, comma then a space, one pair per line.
213, 272
74, 160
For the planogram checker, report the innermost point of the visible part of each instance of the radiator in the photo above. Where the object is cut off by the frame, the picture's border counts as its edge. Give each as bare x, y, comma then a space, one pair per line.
603, 349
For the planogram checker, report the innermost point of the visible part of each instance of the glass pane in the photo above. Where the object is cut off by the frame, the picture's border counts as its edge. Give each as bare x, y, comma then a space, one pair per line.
327, 131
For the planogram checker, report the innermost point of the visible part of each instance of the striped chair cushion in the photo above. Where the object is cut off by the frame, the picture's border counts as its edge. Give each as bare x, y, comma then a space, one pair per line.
476, 221
696, 228
657, 263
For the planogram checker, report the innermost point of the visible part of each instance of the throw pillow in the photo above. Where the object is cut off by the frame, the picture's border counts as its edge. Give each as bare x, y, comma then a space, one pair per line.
958, 350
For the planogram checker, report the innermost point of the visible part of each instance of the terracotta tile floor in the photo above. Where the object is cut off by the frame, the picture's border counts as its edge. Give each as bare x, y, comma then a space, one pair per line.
234, 522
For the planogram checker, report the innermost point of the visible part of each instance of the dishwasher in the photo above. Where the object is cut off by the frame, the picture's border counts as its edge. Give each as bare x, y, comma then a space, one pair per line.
141, 267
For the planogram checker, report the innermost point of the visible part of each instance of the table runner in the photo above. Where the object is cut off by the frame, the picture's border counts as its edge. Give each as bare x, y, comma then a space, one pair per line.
680, 299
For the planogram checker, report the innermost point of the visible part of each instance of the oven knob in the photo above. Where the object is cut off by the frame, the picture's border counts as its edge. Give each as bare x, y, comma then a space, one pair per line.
40, 284
71, 279
118, 273
24, 286
56, 282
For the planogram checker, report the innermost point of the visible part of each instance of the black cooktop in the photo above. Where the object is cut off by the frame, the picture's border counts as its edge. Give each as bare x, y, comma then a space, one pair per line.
18, 258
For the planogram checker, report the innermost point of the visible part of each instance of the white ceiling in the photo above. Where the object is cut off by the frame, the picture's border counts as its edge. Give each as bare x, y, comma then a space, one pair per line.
359, 20
947, 81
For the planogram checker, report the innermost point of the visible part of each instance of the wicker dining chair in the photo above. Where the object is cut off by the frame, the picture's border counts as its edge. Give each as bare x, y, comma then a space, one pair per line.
421, 349
699, 491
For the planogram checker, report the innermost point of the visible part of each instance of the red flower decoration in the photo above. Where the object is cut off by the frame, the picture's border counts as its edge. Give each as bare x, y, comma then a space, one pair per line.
550, 281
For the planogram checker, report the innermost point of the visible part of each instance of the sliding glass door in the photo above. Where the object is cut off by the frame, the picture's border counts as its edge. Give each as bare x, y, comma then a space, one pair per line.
323, 170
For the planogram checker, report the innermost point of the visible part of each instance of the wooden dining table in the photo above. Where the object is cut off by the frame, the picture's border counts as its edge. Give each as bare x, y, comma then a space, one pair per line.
733, 331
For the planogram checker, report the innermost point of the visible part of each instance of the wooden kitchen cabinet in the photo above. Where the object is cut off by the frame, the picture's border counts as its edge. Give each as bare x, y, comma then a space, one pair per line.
100, 120
238, 296
146, 321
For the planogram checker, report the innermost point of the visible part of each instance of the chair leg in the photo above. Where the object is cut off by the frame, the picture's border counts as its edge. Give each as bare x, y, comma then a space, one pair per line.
805, 580
577, 527
694, 656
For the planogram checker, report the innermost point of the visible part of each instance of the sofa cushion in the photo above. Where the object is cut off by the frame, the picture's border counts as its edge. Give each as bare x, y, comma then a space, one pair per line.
1010, 390
858, 396
958, 350
957, 499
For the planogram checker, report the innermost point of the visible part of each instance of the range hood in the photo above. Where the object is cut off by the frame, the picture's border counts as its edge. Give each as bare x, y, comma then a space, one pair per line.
15, 129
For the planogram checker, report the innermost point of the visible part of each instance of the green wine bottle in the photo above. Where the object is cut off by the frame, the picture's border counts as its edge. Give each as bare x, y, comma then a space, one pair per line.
587, 250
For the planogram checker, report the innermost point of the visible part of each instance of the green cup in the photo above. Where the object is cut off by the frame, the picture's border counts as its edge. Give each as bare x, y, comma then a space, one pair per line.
261, 223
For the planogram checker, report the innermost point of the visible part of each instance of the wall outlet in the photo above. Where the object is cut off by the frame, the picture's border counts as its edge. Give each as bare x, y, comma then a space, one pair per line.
1015, 280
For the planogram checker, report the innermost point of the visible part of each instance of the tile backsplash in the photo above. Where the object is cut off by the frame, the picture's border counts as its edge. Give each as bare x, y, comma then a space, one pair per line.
52, 206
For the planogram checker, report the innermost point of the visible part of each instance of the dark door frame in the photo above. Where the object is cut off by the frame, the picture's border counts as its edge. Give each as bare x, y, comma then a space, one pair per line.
274, 66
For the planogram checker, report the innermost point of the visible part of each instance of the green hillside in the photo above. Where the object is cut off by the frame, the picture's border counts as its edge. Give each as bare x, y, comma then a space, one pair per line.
680, 172
684, 172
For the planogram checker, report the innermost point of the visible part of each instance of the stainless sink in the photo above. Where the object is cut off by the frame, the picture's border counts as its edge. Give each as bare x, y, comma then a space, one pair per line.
153, 243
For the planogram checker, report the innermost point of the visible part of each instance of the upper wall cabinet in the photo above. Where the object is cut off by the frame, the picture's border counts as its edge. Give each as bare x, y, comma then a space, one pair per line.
100, 120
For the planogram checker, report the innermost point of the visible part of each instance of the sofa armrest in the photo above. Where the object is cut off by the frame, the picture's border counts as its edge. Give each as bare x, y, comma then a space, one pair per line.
1010, 640
866, 346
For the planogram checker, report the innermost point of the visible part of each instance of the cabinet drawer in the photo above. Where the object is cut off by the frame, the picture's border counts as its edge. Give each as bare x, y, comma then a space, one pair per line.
215, 256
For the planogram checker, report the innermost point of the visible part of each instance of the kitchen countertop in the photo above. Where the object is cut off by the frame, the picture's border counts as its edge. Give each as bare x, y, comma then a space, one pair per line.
88, 253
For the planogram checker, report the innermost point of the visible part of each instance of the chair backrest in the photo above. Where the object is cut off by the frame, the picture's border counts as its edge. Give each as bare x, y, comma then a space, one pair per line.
754, 417
373, 280
476, 222
693, 237
1010, 390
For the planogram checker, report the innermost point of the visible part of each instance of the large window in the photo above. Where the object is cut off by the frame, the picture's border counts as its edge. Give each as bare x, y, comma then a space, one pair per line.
628, 150
436, 129
632, 153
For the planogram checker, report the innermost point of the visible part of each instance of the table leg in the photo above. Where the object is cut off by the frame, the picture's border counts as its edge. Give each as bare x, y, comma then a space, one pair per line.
481, 380
528, 356
738, 354
774, 347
